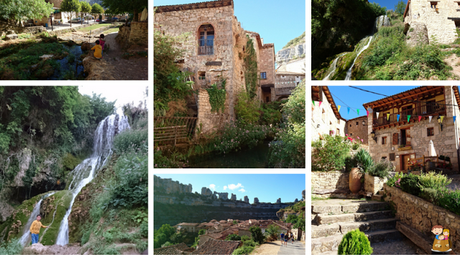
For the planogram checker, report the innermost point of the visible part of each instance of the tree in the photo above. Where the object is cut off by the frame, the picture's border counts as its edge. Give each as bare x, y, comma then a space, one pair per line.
273, 231
256, 234
400, 7
123, 6
85, 8
96, 9
25, 9
162, 235
70, 6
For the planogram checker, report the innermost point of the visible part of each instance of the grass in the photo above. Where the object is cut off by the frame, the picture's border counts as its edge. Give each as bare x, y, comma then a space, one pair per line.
112, 30
60, 201
313, 198
86, 29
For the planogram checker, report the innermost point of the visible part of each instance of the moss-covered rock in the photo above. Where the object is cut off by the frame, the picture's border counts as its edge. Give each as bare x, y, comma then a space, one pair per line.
69, 161
53, 210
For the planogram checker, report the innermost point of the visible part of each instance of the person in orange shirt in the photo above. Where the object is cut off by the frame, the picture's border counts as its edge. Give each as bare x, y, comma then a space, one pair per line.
35, 229
97, 50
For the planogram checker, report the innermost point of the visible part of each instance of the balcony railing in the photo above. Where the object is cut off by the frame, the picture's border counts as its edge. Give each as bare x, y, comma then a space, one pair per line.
206, 47
424, 110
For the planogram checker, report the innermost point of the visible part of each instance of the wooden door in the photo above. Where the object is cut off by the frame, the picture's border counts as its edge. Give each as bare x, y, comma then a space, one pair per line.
405, 162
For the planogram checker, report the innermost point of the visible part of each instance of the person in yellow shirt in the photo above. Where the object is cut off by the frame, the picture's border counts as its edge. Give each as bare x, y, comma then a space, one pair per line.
97, 50
35, 229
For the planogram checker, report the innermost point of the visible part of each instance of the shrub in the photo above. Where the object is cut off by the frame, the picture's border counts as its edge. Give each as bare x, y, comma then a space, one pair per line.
410, 184
433, 180
245, 238
381, 169
288, 149
256, 234
243, 250
131, 139
201, 232
329, 155
233, 237
355, 242
12, 247
271, 113
162, 235
355, 146
364, 161
392, 180
450, 200
174, 160
273, 231
247, 109
250, 243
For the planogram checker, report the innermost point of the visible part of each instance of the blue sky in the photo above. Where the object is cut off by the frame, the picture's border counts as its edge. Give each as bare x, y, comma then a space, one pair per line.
390, 4
354, 98
266, 187
276, 21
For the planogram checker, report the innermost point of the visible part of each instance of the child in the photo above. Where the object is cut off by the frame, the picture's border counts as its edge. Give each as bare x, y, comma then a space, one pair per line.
446, 234
35, 229
102, 41
97, 50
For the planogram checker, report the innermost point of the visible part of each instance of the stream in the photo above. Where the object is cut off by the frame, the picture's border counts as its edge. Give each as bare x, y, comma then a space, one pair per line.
86, 171
256, 157
69, 64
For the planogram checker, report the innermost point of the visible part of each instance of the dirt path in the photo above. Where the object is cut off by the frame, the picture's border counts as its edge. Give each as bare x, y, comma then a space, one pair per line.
268, 248
134, 68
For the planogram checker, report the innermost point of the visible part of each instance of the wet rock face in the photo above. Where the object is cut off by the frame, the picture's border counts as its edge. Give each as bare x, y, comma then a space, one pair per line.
5, 211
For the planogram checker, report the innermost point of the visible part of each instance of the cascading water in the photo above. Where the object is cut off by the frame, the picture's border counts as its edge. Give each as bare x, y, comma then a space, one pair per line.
85, 171
334, 66
25, 238
348, 77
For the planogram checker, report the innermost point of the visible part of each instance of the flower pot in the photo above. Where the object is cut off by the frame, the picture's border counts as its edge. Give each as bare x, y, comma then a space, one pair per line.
355, 180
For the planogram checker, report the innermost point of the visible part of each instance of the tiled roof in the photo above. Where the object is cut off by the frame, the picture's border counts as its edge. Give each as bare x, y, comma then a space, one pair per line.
173, 249
217, 247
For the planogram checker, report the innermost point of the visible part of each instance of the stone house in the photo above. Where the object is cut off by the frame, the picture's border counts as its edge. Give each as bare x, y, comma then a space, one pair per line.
357, 127
285, 83
215, 49
403, 125
433, 18
188, 227
325, 117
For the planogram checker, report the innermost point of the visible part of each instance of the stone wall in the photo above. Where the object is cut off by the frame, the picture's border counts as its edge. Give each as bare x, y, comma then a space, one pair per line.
355, 128
324, 120
325, 184
422, 215
445, 141
210, 121
439, 22
139, 33
267, 63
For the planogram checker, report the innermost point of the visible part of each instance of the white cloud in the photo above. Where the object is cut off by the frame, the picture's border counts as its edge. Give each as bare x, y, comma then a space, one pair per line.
212, 186
225, 187
242, 190
233, 186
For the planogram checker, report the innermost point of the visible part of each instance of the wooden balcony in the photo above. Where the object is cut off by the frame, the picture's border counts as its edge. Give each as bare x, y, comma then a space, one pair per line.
430, 109
206, 47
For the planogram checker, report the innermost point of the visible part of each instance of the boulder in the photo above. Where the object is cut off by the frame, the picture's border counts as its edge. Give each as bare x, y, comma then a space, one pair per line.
46, 56
36, 248
416, 33
11, 37
5, 210
86, 46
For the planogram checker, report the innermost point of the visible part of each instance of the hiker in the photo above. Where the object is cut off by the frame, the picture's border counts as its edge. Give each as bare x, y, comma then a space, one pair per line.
282, 238
292, 238
285, 239
97, 50
102, 41
35, 229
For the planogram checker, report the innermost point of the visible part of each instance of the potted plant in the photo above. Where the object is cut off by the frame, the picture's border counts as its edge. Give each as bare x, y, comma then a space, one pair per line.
377, 176
363, 162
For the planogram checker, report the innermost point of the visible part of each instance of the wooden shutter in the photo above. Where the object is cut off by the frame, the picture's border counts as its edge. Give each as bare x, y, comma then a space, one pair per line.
395, 139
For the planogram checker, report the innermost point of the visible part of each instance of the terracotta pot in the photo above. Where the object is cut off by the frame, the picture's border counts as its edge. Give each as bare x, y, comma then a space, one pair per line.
355, 180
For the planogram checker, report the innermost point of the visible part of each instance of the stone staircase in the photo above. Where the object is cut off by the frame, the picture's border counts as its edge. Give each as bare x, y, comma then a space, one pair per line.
333, 218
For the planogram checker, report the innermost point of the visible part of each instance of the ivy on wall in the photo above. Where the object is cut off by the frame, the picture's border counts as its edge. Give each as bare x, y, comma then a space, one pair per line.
250, 64
217, 96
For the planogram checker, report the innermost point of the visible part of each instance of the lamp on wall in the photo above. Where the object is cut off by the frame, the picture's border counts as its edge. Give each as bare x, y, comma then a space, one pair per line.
364, 123
373, 136
439, 122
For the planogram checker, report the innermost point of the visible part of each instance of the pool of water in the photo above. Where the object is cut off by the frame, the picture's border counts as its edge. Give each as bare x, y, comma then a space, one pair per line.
256, 157
71, 66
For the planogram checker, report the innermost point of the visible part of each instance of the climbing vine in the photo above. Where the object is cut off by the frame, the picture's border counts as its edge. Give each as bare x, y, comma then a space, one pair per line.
217, 96
250, 64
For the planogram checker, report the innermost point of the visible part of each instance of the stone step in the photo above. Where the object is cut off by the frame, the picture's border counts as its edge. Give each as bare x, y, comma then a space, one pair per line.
342, 228
377, 197
351, 207
352, 217
325, 245
380, 192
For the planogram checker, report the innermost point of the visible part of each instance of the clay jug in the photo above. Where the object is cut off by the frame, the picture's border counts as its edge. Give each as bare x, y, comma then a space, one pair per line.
355, 180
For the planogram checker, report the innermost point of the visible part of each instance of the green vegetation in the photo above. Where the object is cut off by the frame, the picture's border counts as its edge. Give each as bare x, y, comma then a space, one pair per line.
272, 232
217, 96
336, 26
329, 154
288, 147
247, 108
400, 7
364, 161
12, 247
85, 8
296, 215
381, 169
298, 40
250, 65
121, 6
233, 237
256, 234
72, 6
355, 242
59, 202
20, 10
96, 9
95, 26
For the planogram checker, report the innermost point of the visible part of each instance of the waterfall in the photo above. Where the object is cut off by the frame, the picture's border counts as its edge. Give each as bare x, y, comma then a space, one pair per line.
348, 77
333, 66
85, 171
25, 238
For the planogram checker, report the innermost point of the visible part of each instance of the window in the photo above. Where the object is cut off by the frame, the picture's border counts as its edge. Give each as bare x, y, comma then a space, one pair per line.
384, 140
430, 131
206, 40
330, 122
267, 99
263, 76
357, 123
434, 5
384, 159
338, 131
350, 125
201, 75
351, 134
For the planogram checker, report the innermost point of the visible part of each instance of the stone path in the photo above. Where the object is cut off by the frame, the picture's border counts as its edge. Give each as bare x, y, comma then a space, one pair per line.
455, 184
296, 248
67, 25
404, 246
268, 248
